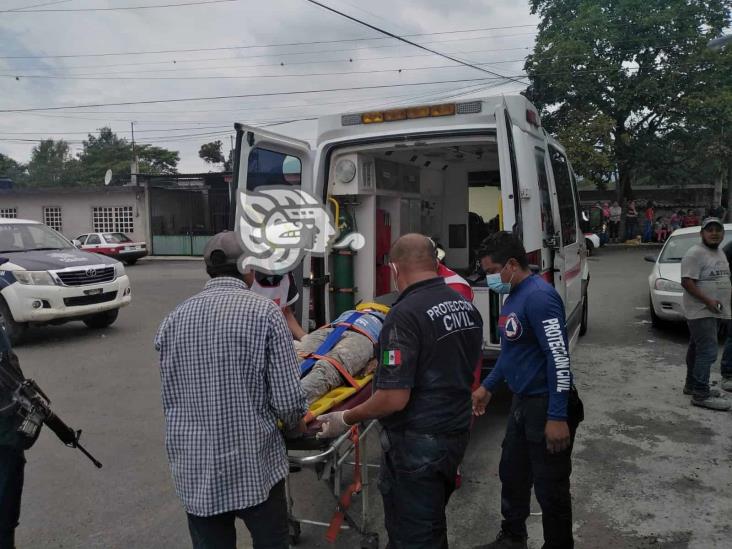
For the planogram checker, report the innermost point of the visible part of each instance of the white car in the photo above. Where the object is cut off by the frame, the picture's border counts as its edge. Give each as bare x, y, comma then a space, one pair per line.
44, 279
664, 282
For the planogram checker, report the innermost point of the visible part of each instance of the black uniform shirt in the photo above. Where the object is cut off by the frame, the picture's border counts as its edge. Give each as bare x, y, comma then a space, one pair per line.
430, 343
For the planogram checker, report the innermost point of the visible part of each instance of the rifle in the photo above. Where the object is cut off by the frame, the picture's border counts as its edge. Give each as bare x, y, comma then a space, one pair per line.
33, 406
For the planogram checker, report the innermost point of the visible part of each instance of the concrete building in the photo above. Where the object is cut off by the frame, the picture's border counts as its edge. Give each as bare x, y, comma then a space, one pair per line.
77, 210
174, 214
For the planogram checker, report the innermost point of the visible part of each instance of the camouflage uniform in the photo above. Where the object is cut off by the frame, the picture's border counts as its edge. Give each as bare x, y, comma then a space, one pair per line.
353, 351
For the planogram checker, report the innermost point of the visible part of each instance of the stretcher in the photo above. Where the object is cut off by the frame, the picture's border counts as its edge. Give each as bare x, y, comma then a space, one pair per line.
330, 460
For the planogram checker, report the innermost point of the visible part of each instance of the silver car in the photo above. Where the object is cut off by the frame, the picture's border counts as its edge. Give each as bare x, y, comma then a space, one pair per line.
664, 281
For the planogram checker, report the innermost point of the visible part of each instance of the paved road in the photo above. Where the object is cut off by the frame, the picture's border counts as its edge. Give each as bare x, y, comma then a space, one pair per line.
650, 470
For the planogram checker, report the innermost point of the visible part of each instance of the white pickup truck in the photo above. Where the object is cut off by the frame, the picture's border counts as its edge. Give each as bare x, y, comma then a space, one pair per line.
45, 279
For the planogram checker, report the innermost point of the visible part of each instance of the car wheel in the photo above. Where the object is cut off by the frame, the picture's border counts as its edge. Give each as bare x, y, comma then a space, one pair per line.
590, 247
585, 315
14, 330
101, 320
656, 321
131, 261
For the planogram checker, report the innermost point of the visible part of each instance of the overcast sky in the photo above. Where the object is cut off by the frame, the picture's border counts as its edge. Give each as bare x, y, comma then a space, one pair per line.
245, 56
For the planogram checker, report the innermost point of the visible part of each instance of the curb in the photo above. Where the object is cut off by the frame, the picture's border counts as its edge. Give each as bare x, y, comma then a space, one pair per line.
170, 258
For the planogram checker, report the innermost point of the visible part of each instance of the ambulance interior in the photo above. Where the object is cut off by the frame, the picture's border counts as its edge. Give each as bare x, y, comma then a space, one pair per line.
447, 189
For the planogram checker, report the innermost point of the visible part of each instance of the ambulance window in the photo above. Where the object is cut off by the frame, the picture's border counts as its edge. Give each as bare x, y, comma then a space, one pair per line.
547, 218
268, 168
565, 197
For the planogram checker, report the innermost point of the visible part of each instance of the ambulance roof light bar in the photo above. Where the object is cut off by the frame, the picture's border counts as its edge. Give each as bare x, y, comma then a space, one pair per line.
410, 113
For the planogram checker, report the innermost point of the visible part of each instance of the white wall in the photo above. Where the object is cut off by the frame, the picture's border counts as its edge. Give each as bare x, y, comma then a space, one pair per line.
76, 208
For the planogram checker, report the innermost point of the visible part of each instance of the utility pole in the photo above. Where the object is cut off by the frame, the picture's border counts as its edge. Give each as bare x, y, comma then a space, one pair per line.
133, 166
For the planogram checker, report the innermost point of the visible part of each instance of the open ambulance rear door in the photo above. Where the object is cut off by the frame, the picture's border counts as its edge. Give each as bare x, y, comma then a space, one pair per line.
263, 159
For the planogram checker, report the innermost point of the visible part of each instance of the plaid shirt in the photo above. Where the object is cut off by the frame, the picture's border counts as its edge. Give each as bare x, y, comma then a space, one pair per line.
228, 371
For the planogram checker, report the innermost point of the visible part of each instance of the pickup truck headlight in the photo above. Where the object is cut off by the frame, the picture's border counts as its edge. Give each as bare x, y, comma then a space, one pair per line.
665, 285
119, 269
34, 278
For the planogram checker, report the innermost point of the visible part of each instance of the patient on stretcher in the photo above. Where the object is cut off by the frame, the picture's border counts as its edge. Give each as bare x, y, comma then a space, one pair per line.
353, 351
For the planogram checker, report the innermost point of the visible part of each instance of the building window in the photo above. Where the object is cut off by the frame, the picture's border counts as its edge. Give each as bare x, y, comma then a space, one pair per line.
113, 219
9, 213
52, 217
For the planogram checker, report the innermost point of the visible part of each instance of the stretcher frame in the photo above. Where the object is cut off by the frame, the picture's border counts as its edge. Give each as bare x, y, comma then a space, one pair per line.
328, 464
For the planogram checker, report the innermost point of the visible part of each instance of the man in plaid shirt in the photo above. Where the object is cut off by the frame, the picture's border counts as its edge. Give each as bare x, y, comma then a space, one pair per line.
228, 371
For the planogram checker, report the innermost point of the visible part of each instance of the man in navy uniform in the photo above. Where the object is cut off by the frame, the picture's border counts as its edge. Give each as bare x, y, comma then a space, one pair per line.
428, 347
546, 410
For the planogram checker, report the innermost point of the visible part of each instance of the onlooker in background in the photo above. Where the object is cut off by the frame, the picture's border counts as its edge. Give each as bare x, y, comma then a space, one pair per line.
716, 211
615, 213
705, 276
604, 232
691, 219
727, 353
229, 372
648, 222
661, 229
675, 220
596, 218
631, 221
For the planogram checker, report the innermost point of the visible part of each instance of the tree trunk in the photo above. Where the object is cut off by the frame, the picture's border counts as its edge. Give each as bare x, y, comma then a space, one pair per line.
728, 214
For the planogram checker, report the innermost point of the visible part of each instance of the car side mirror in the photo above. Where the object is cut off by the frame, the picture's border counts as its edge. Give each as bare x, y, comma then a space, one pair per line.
651, 258
76, 243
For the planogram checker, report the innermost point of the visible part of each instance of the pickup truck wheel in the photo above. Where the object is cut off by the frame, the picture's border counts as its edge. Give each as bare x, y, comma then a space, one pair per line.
131, 261
101, 320
584, 323
14, 330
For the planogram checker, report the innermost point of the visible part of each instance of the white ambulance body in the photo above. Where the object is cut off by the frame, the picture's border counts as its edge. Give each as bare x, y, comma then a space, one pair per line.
455, 172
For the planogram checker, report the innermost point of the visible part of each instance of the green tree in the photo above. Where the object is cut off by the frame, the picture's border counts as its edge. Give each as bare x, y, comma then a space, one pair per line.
107, 151
212, 153
12, 169
49, 163
612, 78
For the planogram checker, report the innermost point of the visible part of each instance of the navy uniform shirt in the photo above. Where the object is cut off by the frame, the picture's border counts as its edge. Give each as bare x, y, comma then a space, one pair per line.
430, 342
534, 356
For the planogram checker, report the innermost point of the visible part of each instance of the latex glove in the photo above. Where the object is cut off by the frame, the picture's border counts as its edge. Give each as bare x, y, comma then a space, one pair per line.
332, 425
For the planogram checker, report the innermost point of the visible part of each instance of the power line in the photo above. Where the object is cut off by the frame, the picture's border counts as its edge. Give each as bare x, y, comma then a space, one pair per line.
39, 5
407, 41
125, 8
249, 95
289, 64
253, 46
240, 77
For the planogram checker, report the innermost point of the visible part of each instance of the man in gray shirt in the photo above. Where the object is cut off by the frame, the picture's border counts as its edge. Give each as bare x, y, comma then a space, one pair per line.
229, 373
705, 276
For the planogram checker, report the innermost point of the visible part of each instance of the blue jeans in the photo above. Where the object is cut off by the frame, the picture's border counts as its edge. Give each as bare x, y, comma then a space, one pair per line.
266, 522
631, 227
647, 231
416, 480
727, 353
525, 462
701, 355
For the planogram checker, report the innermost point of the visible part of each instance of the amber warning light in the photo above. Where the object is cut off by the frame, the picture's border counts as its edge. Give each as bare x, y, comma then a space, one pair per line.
411, 113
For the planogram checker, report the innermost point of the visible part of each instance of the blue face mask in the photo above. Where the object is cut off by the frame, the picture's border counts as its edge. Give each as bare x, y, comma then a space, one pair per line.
494, 282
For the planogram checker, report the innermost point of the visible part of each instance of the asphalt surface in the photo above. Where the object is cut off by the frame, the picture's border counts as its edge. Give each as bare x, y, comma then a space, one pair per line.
649, 470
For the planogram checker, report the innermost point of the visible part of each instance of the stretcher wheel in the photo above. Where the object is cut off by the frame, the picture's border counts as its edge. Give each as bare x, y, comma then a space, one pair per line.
295, 532
370, 541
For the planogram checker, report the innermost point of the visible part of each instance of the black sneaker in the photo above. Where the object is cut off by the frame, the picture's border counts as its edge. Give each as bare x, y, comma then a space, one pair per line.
506, 541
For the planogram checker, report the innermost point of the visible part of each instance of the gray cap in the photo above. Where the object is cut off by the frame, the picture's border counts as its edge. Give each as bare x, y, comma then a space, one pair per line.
222, 249
710, 220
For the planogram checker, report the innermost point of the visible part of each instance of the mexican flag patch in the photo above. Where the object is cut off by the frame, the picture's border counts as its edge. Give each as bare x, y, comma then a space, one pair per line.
392, 358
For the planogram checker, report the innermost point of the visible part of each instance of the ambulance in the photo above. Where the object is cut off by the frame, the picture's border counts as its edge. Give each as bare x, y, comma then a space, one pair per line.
456, 172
